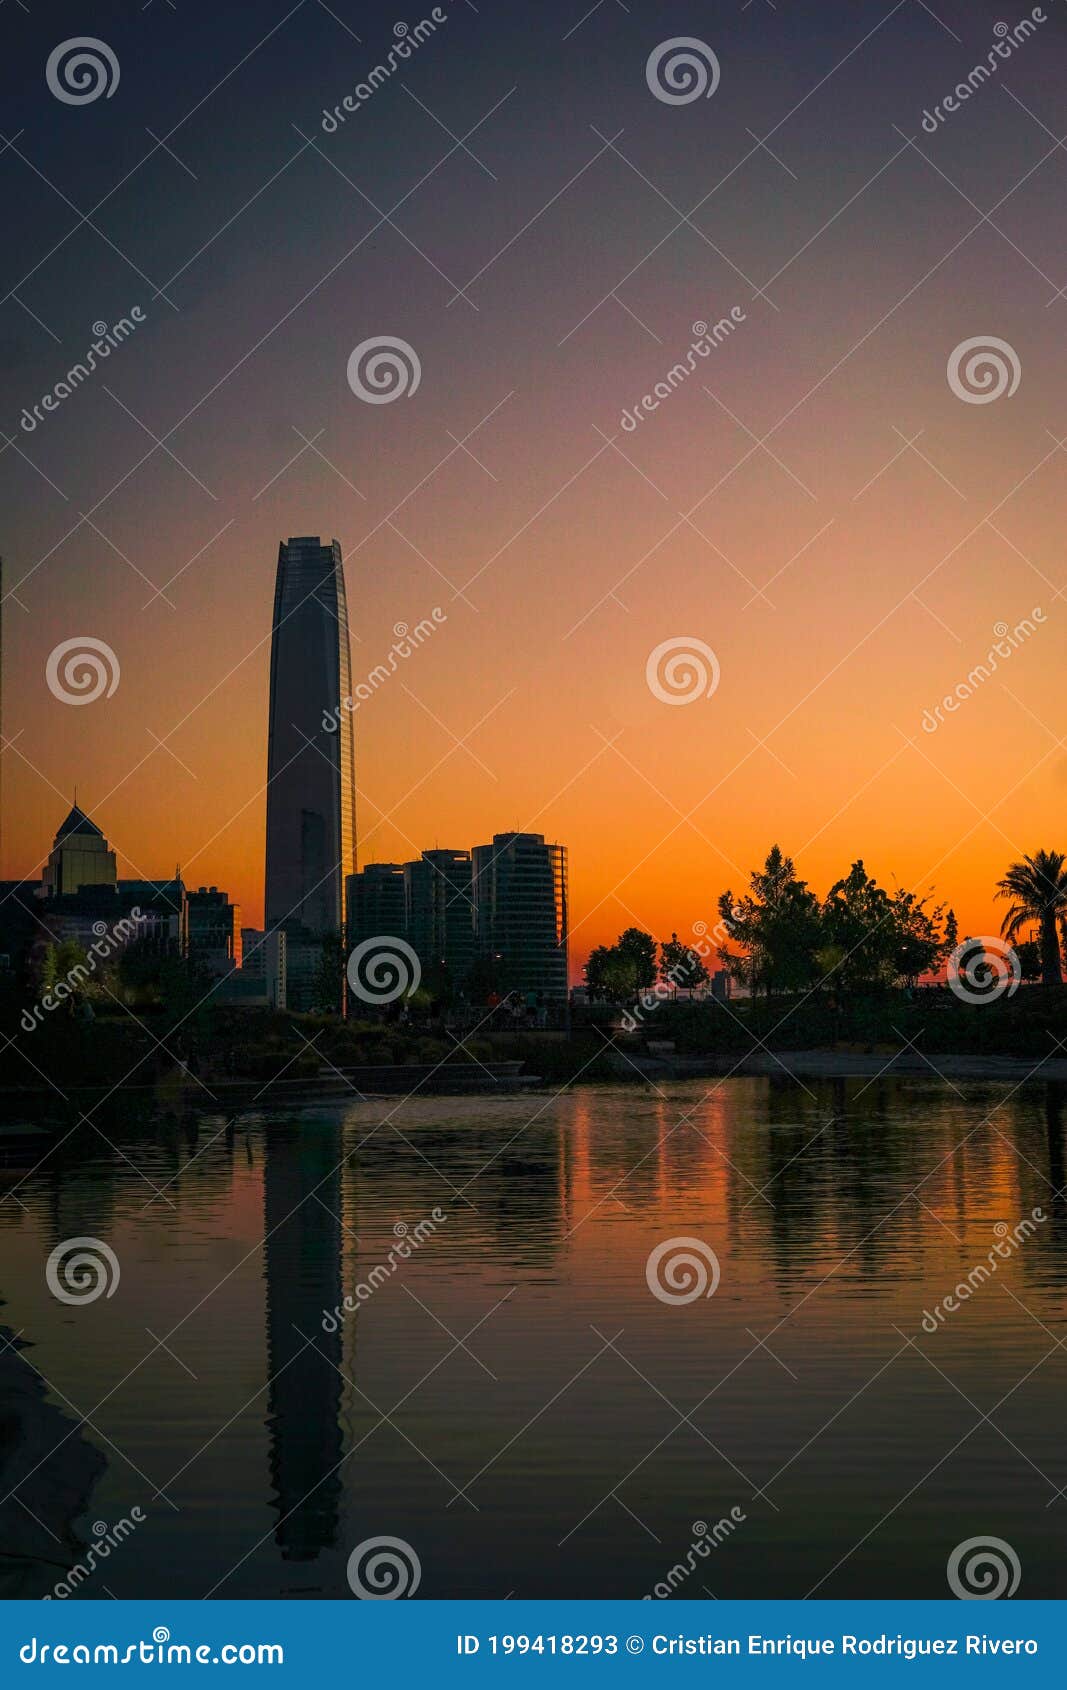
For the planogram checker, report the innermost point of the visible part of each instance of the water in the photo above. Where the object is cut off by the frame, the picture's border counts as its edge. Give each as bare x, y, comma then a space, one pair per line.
513, 1401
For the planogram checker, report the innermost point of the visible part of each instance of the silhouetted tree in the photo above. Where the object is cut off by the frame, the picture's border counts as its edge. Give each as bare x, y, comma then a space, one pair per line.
681, 967
1038, 889
776, 926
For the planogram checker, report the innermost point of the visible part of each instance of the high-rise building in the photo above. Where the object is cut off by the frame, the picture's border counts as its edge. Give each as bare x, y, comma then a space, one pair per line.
80, 856
311, 837
263, 959
521, 921
439, 914
375, 904
214, 928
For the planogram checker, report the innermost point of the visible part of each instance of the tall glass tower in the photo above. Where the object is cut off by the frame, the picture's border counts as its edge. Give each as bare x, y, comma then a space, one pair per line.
311, 784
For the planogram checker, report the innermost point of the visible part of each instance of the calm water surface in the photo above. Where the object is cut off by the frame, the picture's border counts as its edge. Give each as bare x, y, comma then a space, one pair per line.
513, 1401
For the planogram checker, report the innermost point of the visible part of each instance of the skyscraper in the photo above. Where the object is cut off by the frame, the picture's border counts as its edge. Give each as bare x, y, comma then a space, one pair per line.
440, 916
521, 919
311, 830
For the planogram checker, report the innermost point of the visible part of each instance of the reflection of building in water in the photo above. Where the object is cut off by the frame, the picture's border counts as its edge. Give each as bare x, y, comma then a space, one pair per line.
302, 1215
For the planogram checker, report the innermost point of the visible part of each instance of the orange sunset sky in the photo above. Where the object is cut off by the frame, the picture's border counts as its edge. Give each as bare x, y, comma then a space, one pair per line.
562, 548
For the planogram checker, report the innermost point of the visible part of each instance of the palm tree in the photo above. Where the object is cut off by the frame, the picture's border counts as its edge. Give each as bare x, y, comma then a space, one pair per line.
1038, 889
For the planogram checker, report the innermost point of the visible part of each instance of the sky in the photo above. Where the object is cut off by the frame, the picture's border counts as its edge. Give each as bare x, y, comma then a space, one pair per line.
815, 504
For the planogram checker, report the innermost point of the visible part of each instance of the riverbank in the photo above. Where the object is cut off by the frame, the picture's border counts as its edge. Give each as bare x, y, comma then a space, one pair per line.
49, 1464
853, 1065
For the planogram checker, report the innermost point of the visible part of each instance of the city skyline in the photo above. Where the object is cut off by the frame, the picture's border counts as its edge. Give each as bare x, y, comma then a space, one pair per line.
844, 591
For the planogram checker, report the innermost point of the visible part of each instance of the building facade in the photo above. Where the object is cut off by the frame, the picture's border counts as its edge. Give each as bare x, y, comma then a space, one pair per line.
311, 838
439, 917
214, 929
374, 904
521, 914
80, 856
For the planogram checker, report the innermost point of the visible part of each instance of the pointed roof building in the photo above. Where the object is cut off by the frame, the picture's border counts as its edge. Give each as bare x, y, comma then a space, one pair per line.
79, 857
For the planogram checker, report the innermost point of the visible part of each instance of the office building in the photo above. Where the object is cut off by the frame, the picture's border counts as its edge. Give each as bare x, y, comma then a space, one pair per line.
214, 930
374, 901
439, 917
311, 842
521, 920
80, 856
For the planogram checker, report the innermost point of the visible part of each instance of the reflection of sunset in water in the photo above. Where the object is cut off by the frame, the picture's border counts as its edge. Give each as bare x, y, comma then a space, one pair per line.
512, 1399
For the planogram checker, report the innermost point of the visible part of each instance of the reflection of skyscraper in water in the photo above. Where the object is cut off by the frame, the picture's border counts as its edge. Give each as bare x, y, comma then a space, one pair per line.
311, 841
302, 1215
